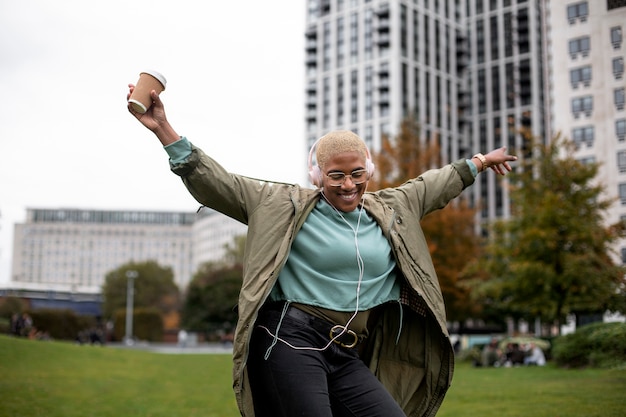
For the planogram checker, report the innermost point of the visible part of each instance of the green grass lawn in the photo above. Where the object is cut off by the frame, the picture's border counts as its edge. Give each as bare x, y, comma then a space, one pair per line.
535, 391
55, 379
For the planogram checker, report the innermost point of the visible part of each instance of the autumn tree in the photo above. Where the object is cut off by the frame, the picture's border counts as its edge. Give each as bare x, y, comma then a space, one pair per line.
450, 232
553, 256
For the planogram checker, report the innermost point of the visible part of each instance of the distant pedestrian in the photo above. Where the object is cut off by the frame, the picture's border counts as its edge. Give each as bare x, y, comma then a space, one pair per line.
16, 324
28, 324
491, 354
182, 338
514, 355
535, 356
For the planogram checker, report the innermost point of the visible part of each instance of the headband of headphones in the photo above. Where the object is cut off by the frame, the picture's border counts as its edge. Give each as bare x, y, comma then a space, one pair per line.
315, 173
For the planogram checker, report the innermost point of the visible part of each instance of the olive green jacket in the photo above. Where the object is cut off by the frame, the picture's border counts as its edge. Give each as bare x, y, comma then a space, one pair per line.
408, 348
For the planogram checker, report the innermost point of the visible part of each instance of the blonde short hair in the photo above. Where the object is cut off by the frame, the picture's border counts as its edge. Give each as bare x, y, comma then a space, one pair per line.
337, 142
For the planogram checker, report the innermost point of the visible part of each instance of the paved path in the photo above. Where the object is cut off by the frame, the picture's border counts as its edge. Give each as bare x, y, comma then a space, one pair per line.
172, 348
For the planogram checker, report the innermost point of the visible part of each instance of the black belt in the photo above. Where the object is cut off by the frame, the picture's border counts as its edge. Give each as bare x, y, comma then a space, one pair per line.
337, 333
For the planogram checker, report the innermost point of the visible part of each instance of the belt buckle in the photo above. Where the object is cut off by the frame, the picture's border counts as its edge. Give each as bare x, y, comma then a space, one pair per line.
338, 329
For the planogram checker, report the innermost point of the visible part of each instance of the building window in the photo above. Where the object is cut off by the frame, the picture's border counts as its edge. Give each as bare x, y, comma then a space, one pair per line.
616, 37
341, 54
618, 68
326, 103
313, 8
580, 45
620, 129
583, 136
480, 42
577, 11
404, 33
368, 38
494, 37
580, 75
623, 255
621, 161
622, 193
614, 4
354, 38
582, 105
618, 94
326, 47
354, 97
369, 86
588, 160
482, 97
340, 99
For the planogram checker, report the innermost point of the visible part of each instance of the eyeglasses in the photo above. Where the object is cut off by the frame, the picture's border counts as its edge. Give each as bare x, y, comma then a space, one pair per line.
336, 179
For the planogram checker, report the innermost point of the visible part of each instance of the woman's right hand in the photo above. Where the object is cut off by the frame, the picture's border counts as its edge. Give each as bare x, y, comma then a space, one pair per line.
154, 119
155, 116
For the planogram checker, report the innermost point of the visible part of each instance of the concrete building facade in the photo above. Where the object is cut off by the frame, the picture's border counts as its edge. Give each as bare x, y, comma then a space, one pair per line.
587, 53
72, 250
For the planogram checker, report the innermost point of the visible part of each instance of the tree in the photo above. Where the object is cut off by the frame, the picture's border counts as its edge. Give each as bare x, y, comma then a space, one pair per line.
553, 257
154, 287
450, 232
210, 304
404, 157
212, 295
10, 305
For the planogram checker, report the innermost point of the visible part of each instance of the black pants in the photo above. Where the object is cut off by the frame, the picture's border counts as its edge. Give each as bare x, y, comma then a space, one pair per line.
302, 382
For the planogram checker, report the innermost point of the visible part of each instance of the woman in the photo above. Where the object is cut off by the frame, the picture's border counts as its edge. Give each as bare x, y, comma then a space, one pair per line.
340, 311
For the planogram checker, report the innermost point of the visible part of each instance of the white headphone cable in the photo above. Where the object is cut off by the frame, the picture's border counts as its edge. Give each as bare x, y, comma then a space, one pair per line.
345, 328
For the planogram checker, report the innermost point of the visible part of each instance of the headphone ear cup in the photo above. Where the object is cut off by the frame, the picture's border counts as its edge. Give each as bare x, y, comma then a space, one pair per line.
315, 175
369, 165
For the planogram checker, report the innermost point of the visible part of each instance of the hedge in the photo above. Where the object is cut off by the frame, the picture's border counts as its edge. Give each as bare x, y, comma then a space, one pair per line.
597, 345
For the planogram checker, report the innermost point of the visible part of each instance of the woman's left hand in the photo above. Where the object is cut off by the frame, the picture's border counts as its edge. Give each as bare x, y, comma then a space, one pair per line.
498, 160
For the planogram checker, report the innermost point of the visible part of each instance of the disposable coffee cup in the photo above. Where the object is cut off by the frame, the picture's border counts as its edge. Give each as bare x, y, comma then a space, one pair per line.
140, 100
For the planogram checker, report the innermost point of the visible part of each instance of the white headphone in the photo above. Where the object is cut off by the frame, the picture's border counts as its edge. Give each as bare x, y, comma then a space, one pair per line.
315, 173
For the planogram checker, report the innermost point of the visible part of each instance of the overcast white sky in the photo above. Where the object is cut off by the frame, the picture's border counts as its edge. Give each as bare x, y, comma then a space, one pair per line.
235, 88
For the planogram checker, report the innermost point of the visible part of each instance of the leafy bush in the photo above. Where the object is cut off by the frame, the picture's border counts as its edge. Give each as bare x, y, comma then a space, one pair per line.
63, 324
599, 345
5, 325
11, 305
147, 324
471, 355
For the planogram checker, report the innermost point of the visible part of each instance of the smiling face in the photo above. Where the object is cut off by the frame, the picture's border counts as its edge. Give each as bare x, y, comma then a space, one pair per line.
347, 196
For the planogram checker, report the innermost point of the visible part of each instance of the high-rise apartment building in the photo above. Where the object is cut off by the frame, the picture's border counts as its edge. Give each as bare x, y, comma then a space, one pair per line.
371, 63
72, 250
470, 72
587, 76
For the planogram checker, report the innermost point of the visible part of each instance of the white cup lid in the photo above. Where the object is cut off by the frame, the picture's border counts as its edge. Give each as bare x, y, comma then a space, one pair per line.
156, 75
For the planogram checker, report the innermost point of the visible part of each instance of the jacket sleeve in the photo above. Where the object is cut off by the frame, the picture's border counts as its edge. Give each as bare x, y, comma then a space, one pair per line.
211, 185
432, 190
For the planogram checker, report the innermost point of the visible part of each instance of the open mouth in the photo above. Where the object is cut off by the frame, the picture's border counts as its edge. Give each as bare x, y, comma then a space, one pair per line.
348, 197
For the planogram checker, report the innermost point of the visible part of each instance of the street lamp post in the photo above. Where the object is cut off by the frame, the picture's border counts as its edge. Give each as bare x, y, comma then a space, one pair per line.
130, 293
